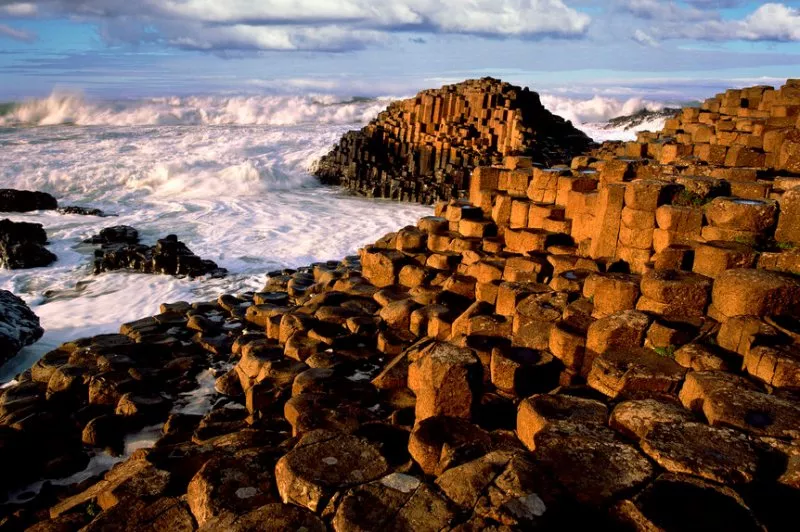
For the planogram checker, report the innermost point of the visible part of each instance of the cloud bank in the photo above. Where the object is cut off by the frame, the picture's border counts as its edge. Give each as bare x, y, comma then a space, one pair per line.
701, 20
326, 25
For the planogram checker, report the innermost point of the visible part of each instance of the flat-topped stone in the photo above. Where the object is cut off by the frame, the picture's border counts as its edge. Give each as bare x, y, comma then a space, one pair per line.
321, 464
730, 401
438, 443
635, 418
394, 502
634, 370
746, 292
542, 412
718, 454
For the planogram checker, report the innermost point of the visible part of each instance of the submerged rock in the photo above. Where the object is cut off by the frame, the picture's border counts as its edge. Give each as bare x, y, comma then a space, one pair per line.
25, 201
22, 246
19, 326
120, 250
82, 211
118, 234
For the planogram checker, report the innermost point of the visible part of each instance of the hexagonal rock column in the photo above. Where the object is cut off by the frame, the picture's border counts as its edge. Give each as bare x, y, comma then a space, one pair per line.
503, 486
381, 266
713, 258
754, 293
674, 293
637, 417
395, 502
447, 381
777, 366
593, 471
323, 463
732, 401
744, 215
534, 319
280, 517
544, 412
237, 484
718, 454
612, 292
520, 371
620, 330
608, 220
632, 370
437, 442
789, 219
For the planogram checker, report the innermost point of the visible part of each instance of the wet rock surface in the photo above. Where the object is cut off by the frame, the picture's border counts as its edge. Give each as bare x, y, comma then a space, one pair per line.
120, 250
26, 201
574, 348
19, 326
22, 246
82, 211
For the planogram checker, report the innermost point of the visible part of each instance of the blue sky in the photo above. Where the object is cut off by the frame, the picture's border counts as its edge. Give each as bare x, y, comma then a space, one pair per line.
660, 49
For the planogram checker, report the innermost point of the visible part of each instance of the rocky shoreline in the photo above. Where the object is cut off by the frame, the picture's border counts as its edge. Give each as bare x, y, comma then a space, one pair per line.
611, 343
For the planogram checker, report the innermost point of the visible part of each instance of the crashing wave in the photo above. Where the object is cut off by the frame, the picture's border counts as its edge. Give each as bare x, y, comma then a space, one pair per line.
73, 109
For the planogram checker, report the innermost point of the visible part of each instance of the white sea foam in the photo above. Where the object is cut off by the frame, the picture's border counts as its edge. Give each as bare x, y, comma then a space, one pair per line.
73, 108
592, 115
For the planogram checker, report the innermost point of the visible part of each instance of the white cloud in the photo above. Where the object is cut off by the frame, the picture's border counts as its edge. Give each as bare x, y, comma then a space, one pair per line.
16, 34
661, 10
775, 22
644, 39
770, 22
315, 24
715, 4
18, 9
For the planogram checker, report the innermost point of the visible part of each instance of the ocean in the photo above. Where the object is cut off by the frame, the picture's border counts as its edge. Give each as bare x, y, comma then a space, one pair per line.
229, 175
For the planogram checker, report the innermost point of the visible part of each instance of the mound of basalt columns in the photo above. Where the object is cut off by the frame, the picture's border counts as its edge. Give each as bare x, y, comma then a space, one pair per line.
424, 149
120, 250
19, 326
22, 246
565, 350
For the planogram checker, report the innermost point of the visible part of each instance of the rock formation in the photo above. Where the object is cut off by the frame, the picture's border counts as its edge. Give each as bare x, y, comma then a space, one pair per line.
25, 201
22, 245
12, 200
19, 326
640, 118
423, 149
82, 211
120, 250
612, 344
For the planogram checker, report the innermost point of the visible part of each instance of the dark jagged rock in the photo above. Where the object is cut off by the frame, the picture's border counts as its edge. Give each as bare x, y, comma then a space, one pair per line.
25, 201
423, 149
22, 245
640, 117
120, 250
119, 234
82, 211
19, 326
